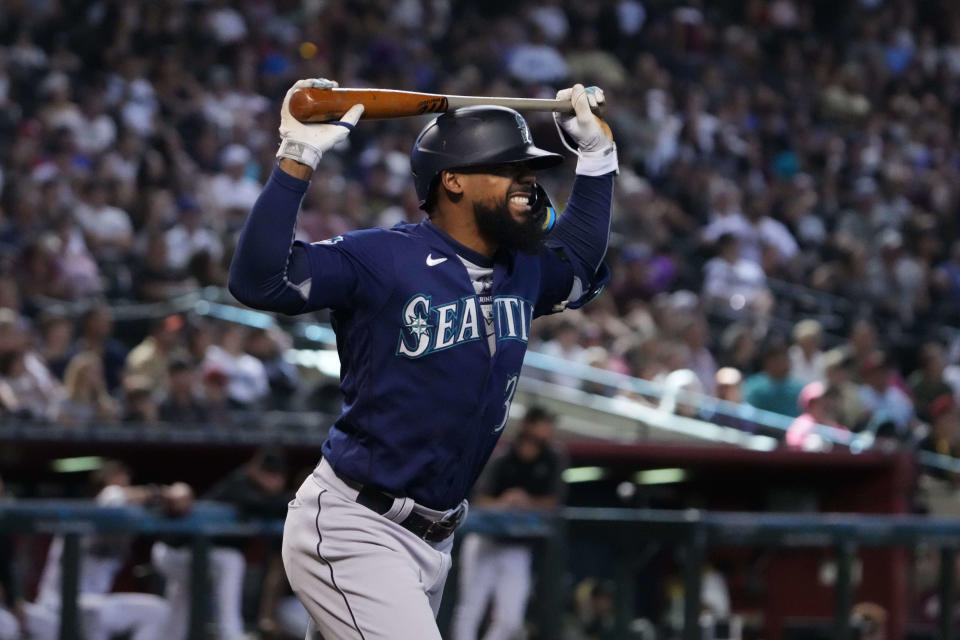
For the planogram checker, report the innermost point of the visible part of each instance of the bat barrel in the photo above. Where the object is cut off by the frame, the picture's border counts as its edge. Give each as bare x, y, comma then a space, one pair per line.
319, 104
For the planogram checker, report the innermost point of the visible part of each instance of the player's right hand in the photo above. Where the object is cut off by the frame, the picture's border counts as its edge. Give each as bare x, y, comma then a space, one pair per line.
305, 143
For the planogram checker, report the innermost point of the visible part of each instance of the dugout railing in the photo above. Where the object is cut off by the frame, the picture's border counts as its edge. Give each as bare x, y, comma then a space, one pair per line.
627, 530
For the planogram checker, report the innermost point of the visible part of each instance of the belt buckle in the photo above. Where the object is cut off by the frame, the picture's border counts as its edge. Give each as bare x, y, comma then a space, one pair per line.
439, 530
444, 526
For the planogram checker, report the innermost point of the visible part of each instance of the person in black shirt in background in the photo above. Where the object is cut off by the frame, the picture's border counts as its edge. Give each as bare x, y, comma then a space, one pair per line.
181, 404
527, 476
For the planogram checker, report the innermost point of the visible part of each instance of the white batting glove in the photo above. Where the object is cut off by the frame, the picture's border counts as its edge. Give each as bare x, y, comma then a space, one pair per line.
595, 146
305, 143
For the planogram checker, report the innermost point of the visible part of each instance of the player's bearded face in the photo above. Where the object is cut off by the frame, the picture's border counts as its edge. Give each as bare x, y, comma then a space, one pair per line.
509, 223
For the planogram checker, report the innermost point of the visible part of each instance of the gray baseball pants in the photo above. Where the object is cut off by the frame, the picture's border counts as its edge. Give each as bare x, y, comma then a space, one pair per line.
360, 575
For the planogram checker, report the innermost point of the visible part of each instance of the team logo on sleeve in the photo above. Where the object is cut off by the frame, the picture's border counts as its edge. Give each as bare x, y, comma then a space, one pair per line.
524, 129
427, 328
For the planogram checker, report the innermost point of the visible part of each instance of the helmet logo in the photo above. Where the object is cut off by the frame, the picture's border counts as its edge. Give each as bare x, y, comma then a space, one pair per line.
524, 130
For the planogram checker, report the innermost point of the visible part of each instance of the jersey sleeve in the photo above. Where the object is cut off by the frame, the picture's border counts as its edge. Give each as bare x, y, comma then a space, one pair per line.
354, 269
572, 270
272, 272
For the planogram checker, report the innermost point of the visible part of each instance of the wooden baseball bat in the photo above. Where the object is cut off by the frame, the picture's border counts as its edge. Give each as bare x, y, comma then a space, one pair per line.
318, 104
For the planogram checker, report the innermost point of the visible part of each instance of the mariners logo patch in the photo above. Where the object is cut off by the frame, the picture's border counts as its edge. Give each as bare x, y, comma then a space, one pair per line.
524, 130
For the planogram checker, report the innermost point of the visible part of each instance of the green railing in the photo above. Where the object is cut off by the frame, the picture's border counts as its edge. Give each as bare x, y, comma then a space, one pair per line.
626, 529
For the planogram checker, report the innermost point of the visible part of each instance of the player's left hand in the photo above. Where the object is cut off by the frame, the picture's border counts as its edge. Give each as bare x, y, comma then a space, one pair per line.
594, 140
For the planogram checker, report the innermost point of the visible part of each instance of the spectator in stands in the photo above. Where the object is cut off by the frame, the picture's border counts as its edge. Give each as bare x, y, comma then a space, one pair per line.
151, 358
806, 358
86, 399
729, 385
27, 388
772, 388
155, 280
181, 404
816, 402
107, 228
946, 279
895, 281
729, 388
927, 383
247, 382
96, 335
693, 331
527, 477
139, 405
884, 401
738, 347
268, 346
57, 342
215, 399
39, 275
232, 192
944, 436
862, 345
732, 282
846, 393
565, 344
190, 236
77, 270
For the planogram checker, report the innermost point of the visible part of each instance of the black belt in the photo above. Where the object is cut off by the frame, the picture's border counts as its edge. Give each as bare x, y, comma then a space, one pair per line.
422, 527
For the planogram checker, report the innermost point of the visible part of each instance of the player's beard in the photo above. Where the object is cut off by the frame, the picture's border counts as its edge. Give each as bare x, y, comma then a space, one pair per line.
496, 224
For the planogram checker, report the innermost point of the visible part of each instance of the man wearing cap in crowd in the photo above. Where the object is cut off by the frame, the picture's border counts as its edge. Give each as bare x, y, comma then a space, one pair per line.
772, 388
232, 191
944, 419
151, 357
848, 408
886, 402
806, 358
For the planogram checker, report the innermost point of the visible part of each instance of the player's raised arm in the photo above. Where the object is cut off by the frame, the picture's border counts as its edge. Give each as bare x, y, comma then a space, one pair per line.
583, 230
268, 270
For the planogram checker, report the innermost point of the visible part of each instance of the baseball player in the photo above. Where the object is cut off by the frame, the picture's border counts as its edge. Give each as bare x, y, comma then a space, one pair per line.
432, 322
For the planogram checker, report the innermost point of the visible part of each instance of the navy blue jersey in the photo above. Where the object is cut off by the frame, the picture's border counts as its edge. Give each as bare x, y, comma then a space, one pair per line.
424, 399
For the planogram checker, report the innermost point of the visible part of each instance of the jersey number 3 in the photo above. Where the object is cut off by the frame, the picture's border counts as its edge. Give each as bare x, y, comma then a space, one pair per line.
507, 401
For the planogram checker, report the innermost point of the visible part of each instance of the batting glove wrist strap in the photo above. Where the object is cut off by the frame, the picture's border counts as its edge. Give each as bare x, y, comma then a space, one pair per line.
299, 152
598, 163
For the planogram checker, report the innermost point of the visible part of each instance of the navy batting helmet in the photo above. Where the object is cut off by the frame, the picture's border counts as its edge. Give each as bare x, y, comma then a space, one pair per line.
471, 137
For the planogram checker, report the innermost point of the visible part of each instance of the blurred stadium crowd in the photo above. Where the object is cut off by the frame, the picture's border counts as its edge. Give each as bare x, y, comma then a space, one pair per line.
785, 227
782, 161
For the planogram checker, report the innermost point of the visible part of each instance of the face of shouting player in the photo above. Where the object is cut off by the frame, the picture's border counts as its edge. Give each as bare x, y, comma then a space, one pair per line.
500, 196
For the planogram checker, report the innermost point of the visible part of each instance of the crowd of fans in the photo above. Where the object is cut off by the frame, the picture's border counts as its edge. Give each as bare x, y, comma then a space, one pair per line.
789, 185
785, 226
